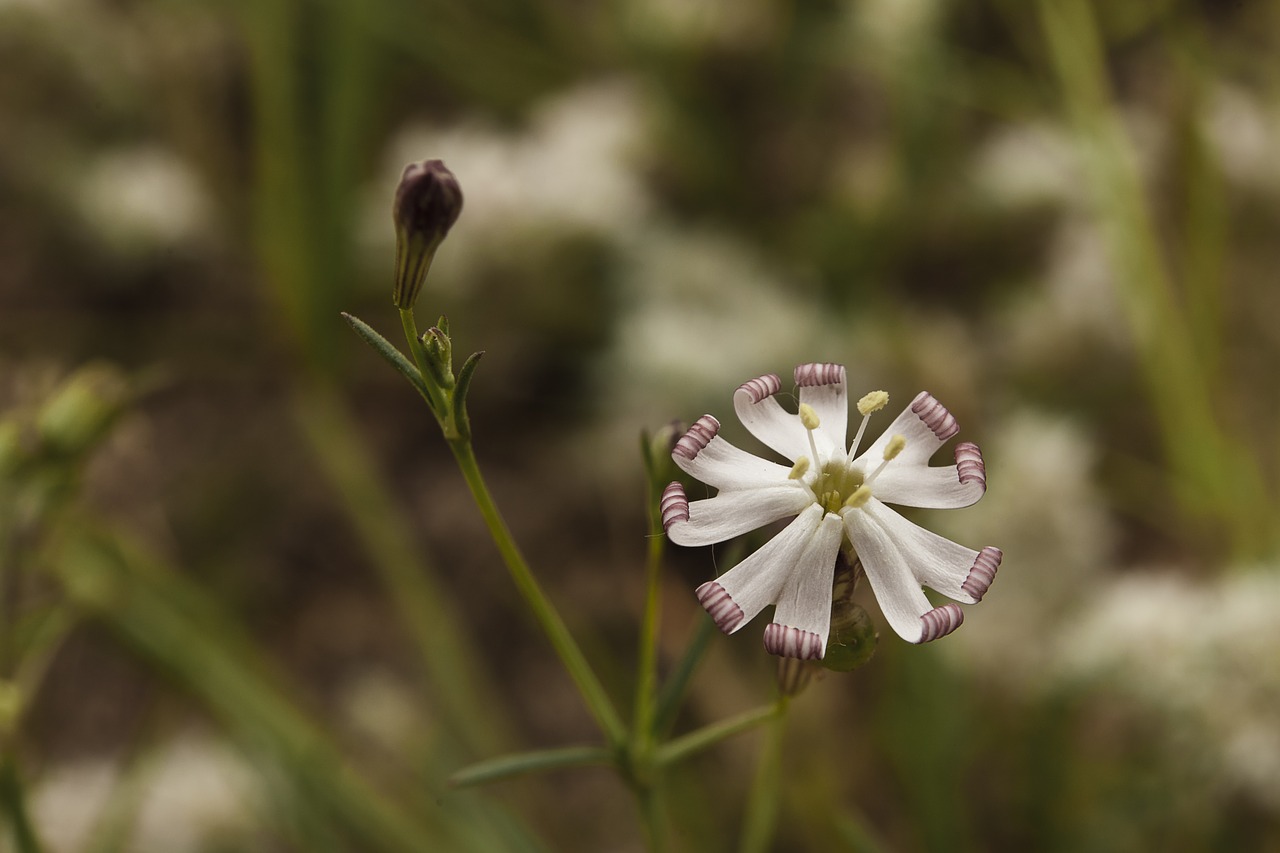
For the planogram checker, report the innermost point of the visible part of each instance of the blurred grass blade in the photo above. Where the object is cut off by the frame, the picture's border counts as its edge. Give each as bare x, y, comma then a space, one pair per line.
522, 763
174, 627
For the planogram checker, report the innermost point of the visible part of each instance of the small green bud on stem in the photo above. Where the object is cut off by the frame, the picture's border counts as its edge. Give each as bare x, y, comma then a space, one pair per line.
428, 201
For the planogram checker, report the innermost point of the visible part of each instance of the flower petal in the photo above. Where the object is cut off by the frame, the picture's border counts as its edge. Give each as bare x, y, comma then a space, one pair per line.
823, 387
703, 454
764, 417
947, 487
731, 513
925, 424
936, 562
803, 618
737, 596
901, 599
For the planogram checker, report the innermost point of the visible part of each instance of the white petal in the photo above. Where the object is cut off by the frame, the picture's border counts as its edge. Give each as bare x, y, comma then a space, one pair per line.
731, 513
804, 605
737, 596
925, 424
925, 487
901, 599
935, 561
823, 386
725, 466
764, 417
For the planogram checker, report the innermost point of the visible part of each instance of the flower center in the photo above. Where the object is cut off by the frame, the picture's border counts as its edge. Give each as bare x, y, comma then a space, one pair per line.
838, 484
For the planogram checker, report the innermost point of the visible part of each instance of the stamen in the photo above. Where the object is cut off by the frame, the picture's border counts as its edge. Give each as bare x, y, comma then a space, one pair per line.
892, 449
859, 498
809, 418
799, 469
873, 402
867, 406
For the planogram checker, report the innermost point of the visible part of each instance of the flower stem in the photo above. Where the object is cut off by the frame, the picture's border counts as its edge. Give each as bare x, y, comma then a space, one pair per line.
548, 617
646, 674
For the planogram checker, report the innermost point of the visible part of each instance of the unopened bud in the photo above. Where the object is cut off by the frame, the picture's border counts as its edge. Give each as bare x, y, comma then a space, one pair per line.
428, 202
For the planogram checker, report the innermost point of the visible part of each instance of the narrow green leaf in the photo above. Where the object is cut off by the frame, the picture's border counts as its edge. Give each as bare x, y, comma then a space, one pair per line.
698, 740
388, 351
521, 763
468, 369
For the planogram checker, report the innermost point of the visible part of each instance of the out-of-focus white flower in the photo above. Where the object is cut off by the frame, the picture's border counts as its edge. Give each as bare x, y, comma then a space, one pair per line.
1053, 522
1203, 653
1076, 308
1246, 137
838, 498
194, 789
1027, 164
142, 199
571, 171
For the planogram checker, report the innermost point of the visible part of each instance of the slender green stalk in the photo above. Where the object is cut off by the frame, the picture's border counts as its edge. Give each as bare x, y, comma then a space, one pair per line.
761, 816
696, 741
647, 667
544, 611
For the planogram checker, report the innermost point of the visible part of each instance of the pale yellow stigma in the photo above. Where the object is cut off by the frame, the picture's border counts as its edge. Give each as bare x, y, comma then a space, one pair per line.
894, 447
799, 469
873, 402
859, 498
808, 416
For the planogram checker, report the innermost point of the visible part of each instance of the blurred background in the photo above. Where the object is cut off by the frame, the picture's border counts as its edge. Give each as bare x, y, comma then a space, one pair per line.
247, 603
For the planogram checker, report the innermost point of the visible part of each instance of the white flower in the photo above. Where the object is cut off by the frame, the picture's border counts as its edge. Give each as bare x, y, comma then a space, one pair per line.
838, 497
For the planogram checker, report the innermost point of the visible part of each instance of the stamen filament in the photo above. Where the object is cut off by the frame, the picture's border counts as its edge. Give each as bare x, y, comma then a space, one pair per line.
894, 447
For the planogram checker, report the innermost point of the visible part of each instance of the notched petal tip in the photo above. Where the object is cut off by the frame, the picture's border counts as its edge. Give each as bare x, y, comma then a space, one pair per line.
727, 615
969, 465
983, 572
940, 621
788, 642
698, 437
808, 375
934, 415
760, 387
674, 506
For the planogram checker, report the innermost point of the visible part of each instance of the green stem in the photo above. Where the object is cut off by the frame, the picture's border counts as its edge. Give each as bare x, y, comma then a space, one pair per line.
647, 668
508, 766
760, 818
696, 741
548, 617
410, 325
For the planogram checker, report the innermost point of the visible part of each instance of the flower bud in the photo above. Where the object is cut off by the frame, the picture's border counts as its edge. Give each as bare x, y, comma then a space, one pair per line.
428, 202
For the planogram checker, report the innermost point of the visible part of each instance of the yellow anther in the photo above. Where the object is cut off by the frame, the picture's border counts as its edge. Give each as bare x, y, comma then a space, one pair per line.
873, 402
894, 447
808, 416
799, 469
860, 496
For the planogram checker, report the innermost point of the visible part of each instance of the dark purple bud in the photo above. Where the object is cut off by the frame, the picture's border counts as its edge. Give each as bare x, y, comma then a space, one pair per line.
428, 202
